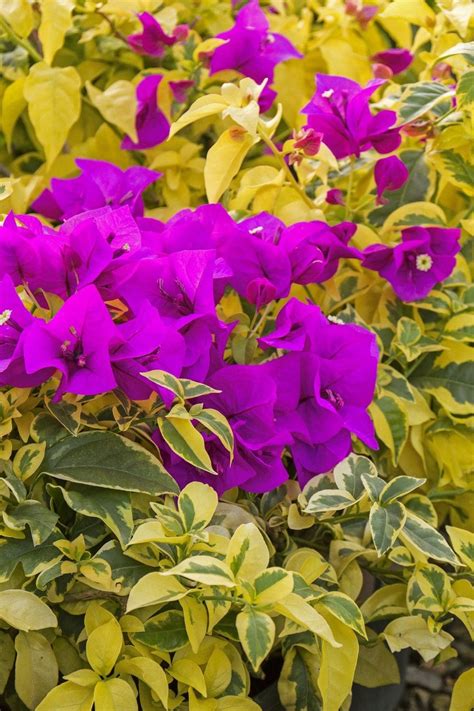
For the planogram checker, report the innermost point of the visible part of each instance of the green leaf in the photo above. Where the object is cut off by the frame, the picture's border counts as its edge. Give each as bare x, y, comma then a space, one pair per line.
165, 632
25, 611
466, 49
197, 504
448, 377
345, 609
36, 668
256, 634
110, 461
204, 569
272, 585
376, 666
391, 424
461, 326
183, 388
329, 500
458, 169
247, 553
426, 539
148, 671
465, 89
385, 524
399, 486
7, 658
348, 474
40, 520
373, 485
112, 507
422, 97
67, 413
54, 104
186, 442
216, 423
298, 683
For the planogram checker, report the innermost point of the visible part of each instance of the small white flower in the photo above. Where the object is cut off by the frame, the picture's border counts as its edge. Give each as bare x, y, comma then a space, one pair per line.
327, 94
334, 319
255, 230
424, 262
4, 316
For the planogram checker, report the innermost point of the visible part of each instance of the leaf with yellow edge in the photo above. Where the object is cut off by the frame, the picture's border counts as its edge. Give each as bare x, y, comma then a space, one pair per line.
103, 647
154, 589
299, 611
24, 611
56, 20
68, 697
54, 104
27, 459
418, 12
197, 503
463, 543
185, 440
204, 569
36, 668
337, 665
247, 554
114, 695
256, 633
148, 671
236, 703
18, 14
13, 104
461, 699
195, 621
272, 585
413, 631
117, 104
224, 159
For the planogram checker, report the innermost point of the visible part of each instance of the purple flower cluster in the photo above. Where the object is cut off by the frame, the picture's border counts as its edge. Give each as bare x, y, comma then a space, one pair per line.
141, 295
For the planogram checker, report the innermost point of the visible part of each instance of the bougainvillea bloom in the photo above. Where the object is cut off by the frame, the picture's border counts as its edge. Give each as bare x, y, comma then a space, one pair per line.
397, 60
425, 256
76, 342
340, 111
99, 184
252, 49
153, 40
247, 400
151, 124
324, 387
390, 174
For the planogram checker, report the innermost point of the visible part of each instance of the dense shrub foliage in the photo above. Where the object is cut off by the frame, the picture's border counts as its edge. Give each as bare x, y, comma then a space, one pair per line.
235, 337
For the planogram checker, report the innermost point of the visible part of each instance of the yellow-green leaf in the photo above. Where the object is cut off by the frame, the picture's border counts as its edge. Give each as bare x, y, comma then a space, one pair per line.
153, 589
218, 673
202, 108
414, 632
197, 503
19, 14
117, 104
301, 612
148, 671
461, 699
195, 621
417, 12
25, 611
216, 423
186, 442
188, 672
272, 585
224, 159
463, 543
68, 697
103, 647
36, 668
247, 554
56, 20
256, 633
54, 104
204, 569
13, 104
337, 666
27, 459
114, 695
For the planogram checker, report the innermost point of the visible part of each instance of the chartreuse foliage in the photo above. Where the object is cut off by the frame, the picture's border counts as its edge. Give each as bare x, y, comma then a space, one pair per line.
118, 591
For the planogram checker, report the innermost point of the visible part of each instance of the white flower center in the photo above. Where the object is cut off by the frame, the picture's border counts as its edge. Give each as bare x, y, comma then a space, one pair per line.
334, 319
424, 262
4, 316
327, 94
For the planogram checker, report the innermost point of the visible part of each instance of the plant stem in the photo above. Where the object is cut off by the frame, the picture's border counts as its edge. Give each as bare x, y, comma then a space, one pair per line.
291, 178
349, 190
34, 54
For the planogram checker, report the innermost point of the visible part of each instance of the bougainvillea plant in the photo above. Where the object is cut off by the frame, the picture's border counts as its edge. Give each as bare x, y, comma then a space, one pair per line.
236, 316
